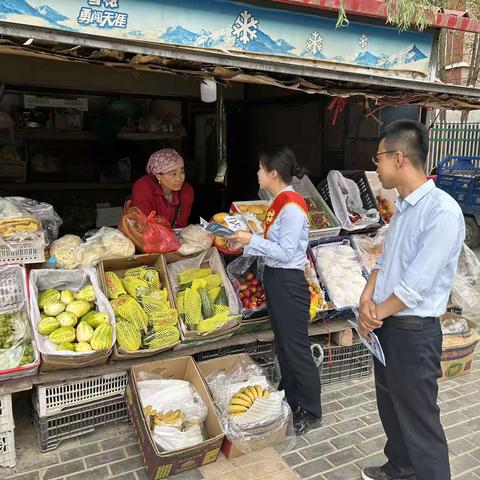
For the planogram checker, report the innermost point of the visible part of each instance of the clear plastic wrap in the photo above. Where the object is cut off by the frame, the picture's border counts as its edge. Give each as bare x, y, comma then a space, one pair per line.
50, 220
340, 271
465, 289
347, 203
17, 223
455, 326
194, 239
16, 347
246, 275
71, 252
370, 247
268, 421
174, 411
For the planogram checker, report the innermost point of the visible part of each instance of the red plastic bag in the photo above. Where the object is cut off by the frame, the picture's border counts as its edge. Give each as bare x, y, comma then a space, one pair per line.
150, 234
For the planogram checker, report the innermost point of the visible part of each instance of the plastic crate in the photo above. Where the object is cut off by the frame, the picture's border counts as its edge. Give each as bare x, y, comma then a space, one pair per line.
13, 290
51, 431
27, 251
346, 363
261, 352
8, 457
6, 414
459, 166
52, 399
306, 189
366, 194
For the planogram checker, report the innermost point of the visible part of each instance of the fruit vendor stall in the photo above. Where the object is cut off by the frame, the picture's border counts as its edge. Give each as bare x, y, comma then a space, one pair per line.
92, 319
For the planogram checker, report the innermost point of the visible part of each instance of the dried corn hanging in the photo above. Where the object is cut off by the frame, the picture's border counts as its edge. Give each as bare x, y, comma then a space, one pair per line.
213, 281
163, 338
213, 293
210, 324
153, 280
188, 276
129, 309
114, 285
192, 306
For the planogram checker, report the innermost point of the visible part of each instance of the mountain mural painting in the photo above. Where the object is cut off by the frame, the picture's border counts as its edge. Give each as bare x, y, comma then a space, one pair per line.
231, 26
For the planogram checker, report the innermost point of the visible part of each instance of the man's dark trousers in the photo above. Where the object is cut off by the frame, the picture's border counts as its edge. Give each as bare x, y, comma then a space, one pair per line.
407, 394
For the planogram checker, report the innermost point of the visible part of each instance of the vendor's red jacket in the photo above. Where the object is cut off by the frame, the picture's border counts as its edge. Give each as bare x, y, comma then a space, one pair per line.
148, 196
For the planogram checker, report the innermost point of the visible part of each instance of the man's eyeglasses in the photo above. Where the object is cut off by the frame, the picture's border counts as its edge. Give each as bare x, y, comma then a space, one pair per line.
375, 157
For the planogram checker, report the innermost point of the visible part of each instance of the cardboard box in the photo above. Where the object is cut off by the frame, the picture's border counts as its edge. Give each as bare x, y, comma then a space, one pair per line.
236, 449
458, 350
119, 266
160, 464
211, 258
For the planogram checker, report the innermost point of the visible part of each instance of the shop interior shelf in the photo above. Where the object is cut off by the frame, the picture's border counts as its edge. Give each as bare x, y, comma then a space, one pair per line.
60, 186
54, 134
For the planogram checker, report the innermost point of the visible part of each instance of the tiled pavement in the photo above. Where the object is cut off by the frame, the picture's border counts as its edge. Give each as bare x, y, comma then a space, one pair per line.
350, 437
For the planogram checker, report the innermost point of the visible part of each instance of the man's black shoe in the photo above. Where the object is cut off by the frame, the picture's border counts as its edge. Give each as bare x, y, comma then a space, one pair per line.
377, 473
304, 421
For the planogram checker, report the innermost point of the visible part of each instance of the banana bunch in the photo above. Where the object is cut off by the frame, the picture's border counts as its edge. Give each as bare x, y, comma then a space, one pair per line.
171, 418
245, 398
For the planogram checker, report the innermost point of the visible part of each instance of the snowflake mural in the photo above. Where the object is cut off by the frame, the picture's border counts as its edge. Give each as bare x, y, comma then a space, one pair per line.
315, 43
245, 27
363, 41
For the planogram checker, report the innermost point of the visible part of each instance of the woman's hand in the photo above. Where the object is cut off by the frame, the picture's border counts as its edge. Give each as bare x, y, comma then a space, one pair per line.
241, 237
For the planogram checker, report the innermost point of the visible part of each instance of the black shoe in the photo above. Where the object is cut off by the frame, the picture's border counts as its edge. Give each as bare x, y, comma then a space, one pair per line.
377, 473
304, 421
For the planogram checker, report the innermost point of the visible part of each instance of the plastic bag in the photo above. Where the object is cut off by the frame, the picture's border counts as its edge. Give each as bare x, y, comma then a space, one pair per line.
268, 421
41, 280
161, 396
246, 275
465, 289
340, 271
370, 247
16, 347
194, 240
455, 326
150, 234
44, 212
66, 251
16, 223
347, 203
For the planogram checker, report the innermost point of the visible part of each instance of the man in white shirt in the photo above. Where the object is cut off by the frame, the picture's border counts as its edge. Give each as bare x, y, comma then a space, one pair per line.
406, 293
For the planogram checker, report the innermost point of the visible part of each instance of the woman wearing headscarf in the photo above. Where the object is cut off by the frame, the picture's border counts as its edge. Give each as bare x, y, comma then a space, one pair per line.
164, 189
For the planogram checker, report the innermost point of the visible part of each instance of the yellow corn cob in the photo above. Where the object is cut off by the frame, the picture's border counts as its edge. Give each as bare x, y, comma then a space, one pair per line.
114, 285
135, 287
153, 305
181, 302
153, 280
191, 274
131, 311
198, 284
213, 323
159, 294
137, 272
192, 306
163, 338
213, 293
160, 319
213, 281
218, 309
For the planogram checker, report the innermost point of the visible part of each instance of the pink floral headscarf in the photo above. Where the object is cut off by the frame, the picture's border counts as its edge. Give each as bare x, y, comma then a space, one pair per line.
164, 161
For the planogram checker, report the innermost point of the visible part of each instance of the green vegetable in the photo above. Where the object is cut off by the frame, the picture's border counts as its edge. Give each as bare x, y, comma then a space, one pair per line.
67, 297
83, 347
67, 319
52, 309
79, 308
50, 295
87, 293
48, 325
84, 332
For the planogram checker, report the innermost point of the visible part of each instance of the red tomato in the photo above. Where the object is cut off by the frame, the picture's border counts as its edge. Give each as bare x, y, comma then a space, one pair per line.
255, 282
250, 276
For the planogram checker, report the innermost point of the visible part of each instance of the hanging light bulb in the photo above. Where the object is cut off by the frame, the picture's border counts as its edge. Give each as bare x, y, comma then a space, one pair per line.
208, 90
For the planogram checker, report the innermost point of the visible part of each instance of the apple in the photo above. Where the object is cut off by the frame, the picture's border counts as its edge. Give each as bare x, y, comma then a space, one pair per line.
243, 287
253, 290
255, 282
250, 276
247, 293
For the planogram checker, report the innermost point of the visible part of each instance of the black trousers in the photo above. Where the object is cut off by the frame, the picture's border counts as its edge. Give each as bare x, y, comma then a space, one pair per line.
288, 300
407, 394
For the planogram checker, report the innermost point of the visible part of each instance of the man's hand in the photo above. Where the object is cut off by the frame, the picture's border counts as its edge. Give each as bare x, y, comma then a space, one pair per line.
368, 316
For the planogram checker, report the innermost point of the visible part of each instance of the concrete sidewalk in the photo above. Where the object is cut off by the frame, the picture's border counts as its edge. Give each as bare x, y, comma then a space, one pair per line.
350, 438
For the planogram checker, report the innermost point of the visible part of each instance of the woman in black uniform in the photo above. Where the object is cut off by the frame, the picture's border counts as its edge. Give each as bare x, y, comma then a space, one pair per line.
284, 246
